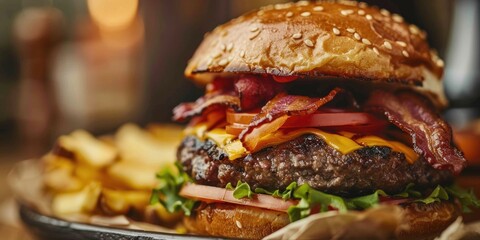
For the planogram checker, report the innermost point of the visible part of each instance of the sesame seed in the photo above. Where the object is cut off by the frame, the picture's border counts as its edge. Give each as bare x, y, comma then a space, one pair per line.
387, 45
280, 6
349, 2
254, 35
297, 36
376, 51
403, 44
223, 62
242, 53
385, 12
308, 42
336, 31
405, 53
361, 12
224, 33
289, 14
305, 14
223, 47
397, 18
369, 17
238, 223
254, 29
346, 12
413, 29
362, 4
366, 41
350, 30
440, 63
357, 36
318, 9
303, 3
229, 47
260, 13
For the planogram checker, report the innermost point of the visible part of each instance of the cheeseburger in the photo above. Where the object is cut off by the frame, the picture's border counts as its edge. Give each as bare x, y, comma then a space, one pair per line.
312, 107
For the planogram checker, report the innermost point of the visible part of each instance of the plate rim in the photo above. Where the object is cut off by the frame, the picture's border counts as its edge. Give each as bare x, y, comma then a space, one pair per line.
41, 225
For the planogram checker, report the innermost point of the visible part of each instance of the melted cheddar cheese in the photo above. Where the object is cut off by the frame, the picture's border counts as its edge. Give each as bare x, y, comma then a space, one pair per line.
342, 142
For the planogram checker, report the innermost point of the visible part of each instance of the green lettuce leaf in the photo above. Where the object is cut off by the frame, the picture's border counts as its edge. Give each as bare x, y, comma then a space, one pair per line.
299, 211
242, 190
366, 201
466, 197
409, 192
170, 184
438, 194
285, 195
167, 192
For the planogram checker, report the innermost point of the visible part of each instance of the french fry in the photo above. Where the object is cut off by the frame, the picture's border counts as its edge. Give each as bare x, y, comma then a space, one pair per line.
112, 174
133, 175
84, 201
61, 180
59, 175
165, 216
141, 147
88, 149
121, 201
87, 173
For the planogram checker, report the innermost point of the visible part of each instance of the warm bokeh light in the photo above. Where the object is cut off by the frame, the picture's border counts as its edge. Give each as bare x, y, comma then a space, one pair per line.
113, 14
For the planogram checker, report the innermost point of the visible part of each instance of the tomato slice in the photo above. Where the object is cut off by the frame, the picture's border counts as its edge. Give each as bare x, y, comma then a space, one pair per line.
284, 79
216, 194
324, 118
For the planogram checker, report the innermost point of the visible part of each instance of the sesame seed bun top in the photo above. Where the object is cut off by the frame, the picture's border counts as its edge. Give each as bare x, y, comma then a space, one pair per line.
321, 40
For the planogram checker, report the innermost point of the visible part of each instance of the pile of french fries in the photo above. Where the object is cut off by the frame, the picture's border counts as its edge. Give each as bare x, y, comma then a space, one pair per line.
111, 175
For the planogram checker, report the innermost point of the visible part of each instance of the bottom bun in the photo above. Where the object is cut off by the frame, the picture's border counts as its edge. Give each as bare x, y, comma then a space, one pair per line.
421, 221
427, 221
236, 221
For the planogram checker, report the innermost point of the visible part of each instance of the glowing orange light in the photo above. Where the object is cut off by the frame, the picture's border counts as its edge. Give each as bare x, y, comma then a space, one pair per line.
113, 14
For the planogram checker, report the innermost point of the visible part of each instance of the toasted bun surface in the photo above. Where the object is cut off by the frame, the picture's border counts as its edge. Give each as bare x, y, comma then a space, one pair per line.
235, 221
421, 221
321, 40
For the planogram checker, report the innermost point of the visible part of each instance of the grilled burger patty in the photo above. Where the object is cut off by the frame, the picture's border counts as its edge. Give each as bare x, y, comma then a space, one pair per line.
309, 159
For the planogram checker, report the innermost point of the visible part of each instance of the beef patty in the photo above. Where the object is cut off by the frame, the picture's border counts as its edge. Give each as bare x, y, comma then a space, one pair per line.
309, 159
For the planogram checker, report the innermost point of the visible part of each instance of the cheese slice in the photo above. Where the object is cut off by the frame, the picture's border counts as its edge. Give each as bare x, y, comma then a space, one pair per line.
341, 142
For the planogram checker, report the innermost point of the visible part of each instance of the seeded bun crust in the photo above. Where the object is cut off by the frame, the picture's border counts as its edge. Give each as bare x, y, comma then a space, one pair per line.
421, 221
322, 40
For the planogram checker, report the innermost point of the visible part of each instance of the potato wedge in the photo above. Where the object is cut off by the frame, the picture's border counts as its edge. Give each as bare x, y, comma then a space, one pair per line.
88, 149
133, 175
84, 201
139, 146
121, 201
59, 175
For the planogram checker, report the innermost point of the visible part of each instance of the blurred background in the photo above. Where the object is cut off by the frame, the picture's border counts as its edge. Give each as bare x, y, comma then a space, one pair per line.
96, 64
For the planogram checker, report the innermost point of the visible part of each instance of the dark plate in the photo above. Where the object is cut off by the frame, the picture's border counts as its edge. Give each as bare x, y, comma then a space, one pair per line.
51, 228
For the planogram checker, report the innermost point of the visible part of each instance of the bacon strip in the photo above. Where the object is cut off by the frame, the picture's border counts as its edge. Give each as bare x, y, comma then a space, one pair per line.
276, 112
206, 103
244, 93
254, 91
415, 115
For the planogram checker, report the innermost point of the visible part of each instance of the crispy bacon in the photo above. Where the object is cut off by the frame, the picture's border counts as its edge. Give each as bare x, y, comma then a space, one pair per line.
254, 91
415, 115
244, 93
206, 103
276, 112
